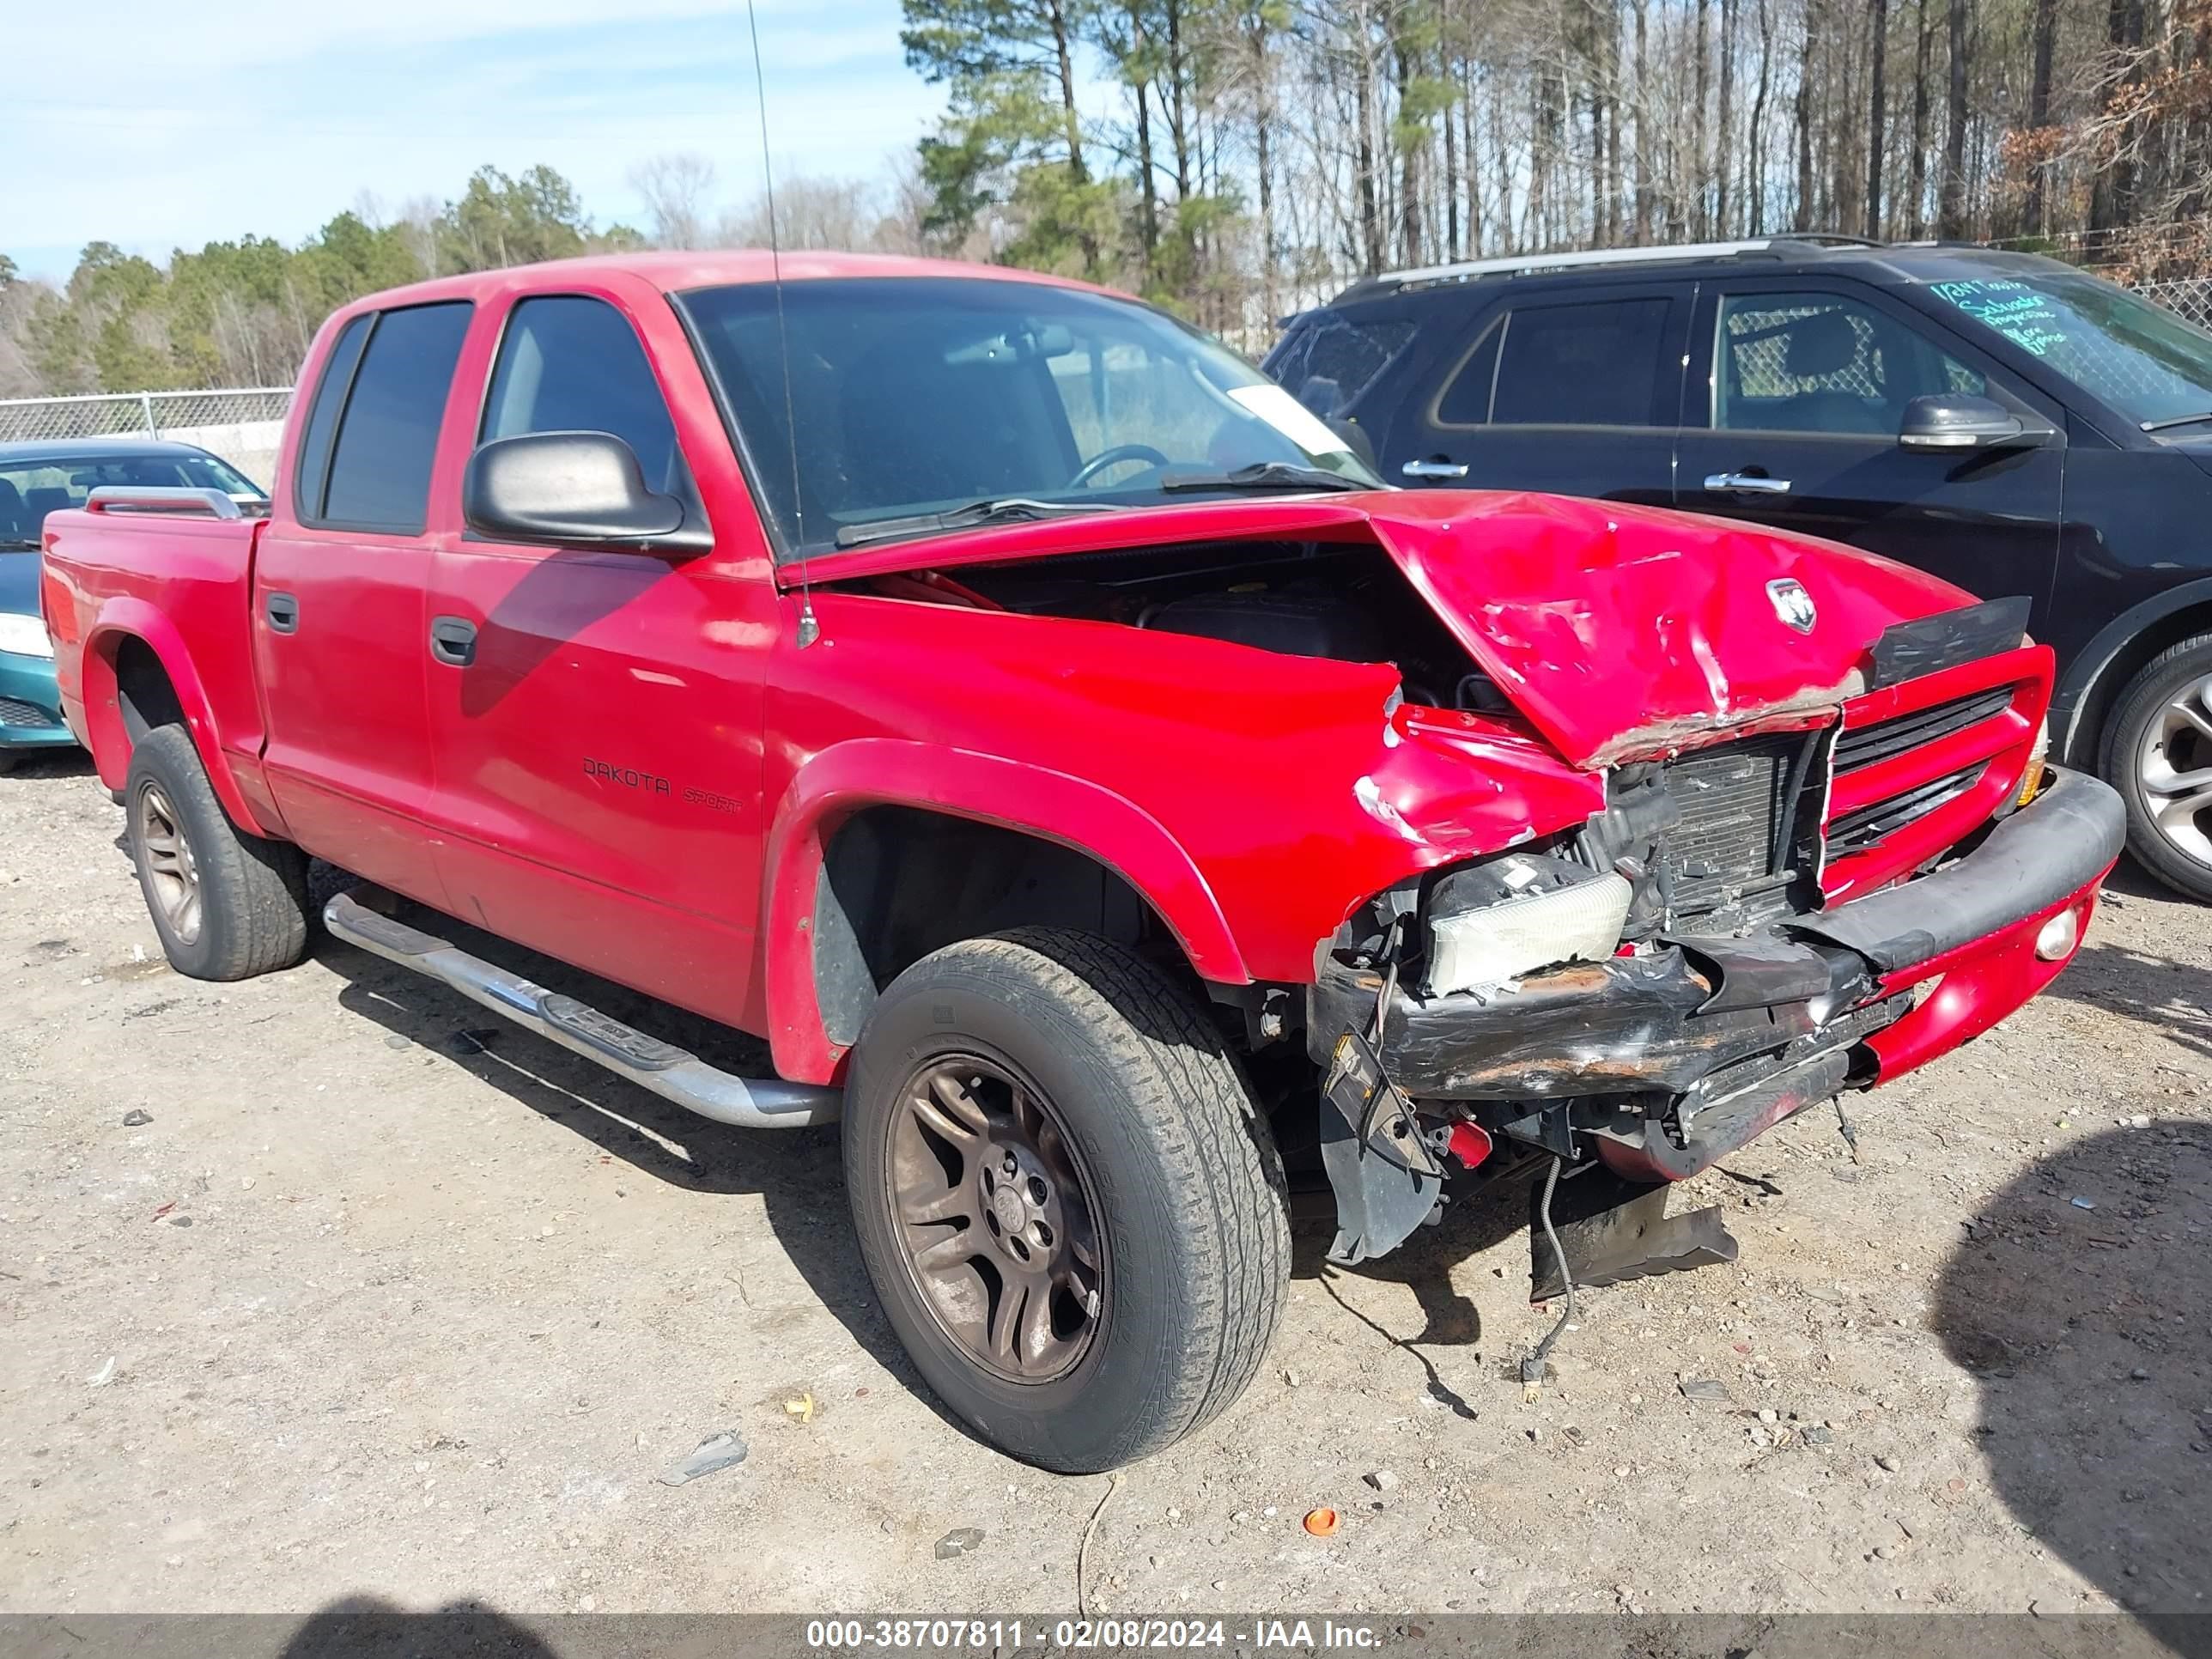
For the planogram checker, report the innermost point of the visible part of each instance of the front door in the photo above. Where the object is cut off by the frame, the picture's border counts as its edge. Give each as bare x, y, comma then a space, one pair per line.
1797, 401
338, 586
596, 715
1576, 394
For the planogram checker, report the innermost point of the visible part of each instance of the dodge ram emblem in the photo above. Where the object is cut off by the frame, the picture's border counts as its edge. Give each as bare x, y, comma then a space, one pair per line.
1792, 604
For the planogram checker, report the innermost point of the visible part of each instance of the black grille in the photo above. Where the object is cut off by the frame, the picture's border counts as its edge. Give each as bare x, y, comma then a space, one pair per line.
1731, 800
1854, 832
15, 712
1871, 744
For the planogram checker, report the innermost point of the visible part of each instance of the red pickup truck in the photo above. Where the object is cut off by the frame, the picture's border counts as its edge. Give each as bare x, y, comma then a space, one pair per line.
1130, 817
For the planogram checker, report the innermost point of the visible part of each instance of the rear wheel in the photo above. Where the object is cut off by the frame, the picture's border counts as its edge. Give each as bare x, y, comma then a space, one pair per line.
227, 904
1067, 1202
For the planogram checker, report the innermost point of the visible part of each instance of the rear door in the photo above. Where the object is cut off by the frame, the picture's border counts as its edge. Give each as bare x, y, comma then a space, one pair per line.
339, 585
1801, 389
596, 715
1575, 390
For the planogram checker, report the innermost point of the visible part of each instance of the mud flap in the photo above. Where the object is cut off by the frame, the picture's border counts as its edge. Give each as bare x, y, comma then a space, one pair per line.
1612, 1229
1386, 1179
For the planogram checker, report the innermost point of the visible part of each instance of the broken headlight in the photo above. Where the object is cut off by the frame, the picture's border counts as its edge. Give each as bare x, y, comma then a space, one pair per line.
1507, 917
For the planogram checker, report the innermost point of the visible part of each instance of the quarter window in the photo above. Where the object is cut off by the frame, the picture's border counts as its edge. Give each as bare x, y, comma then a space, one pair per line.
1602, 363
1824, 362
569, 363
387, 436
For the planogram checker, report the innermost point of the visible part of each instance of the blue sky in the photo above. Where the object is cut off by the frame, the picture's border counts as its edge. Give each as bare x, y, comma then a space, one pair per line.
205, 122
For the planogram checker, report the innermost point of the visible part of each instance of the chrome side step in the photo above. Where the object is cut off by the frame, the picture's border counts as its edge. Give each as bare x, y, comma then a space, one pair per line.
671, 1072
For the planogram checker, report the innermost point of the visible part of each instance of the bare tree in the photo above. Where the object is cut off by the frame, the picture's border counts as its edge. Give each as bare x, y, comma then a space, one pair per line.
675, 188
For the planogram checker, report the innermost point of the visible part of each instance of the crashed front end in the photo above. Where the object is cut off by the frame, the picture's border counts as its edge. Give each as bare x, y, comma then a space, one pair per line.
1810, 900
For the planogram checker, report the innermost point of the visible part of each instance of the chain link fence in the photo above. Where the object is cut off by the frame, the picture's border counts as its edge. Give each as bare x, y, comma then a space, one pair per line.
2190, 298
243, 425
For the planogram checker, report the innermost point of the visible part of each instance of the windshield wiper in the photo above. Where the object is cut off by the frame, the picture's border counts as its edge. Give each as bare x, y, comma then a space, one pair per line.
2176, 420
16, 543
1263, 474
999, 510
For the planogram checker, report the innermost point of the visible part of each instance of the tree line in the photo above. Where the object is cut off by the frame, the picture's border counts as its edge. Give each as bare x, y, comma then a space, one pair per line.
1261, 150
1237, 159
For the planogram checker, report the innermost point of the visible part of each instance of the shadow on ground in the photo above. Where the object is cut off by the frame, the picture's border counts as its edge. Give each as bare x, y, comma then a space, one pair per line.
797, 1173
365, 1627
2089, 1330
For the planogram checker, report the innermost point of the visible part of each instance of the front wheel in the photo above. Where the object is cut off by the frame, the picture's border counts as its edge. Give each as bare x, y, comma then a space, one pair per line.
2157, 752
1067, 1202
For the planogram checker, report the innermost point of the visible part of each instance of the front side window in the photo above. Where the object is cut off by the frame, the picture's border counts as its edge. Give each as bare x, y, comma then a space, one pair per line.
915, 396
387, 434
1824, 363
1601, 363
568, 363
2139, 358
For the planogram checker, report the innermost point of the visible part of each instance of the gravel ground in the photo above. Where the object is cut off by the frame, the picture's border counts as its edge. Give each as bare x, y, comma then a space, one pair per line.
381, 1302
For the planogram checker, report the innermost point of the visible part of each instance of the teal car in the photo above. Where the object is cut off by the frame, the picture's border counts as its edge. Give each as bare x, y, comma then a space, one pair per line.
42, 477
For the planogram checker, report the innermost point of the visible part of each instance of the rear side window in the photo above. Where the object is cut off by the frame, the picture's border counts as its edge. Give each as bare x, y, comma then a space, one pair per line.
387, 434
1329, 361
1599, 364
573, 364
323, 418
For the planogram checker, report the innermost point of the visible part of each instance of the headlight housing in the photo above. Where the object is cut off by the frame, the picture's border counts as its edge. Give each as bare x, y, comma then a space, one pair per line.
25, 636
1507, 917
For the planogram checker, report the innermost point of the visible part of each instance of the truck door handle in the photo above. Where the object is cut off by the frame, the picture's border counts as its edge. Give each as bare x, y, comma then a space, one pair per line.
1745, 484
453, 640
282, 611
1436, 467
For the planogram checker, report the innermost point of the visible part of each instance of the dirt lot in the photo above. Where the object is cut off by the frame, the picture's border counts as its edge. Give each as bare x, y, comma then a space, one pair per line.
374, 1306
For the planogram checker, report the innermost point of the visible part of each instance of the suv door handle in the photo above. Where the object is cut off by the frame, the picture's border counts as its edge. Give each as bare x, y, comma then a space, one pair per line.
1437, 468
1745, 483
453, 640
282, 611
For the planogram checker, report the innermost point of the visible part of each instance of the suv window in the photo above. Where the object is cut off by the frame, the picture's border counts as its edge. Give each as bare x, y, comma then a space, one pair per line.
1824, 362
379, 467
568, 363
1329, 360
1599, 363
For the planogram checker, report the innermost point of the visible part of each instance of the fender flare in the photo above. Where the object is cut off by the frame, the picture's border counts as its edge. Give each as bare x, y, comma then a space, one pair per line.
2091, 663
125, 617
1014, 795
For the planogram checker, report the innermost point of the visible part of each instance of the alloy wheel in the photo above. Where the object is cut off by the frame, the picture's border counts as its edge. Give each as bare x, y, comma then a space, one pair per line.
997, 1219
2173, 769
173, 871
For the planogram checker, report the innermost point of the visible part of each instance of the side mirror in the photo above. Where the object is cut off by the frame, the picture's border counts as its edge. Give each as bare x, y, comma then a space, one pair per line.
575, 490
1955, 421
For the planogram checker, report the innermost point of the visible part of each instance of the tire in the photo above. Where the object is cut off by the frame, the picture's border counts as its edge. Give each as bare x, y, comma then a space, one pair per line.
2149, 742
251, 915
1156, 1148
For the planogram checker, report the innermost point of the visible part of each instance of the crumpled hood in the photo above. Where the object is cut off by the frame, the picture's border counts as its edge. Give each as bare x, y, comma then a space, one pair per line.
1623, 630
1618, 631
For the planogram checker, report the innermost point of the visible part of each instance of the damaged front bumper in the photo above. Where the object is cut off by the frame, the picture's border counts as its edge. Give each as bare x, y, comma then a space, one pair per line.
1670, 1060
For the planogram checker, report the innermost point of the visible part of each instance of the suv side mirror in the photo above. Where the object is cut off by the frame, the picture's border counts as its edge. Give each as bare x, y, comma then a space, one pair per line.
572, 489
1955, 421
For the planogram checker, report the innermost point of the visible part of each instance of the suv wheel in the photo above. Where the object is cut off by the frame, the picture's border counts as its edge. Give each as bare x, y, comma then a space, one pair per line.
1067, 1202
227, 905
2158, 753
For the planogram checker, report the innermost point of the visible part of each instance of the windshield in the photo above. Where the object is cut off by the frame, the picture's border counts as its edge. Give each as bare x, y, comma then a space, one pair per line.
921, 396
2143, 359
30, 489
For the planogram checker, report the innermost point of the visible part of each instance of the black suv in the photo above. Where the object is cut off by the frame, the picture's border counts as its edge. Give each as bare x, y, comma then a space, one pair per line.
2008, 422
